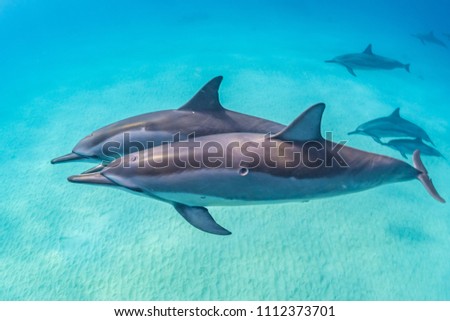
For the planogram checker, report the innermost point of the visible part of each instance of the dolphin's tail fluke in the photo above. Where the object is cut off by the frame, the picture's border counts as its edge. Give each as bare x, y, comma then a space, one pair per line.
407, 67
93, 178
424, 178
66, 158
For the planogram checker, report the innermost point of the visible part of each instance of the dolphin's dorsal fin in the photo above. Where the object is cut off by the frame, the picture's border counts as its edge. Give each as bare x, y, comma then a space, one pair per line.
368, 50
206, 99
395, 113
305, 127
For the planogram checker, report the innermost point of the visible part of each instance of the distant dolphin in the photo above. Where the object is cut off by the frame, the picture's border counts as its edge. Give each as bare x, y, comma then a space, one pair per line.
367, 60
202, 115
391, 126
430, 38
295, 164
447, 35
408, 146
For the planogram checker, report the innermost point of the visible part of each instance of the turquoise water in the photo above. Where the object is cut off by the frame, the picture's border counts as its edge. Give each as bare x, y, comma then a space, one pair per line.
70, 67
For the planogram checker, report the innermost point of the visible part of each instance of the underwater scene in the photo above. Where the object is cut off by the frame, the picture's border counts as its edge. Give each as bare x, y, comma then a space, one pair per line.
363, 85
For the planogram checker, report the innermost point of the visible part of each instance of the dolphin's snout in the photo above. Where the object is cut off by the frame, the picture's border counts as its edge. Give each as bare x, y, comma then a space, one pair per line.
94, 178
353, 132
66, 158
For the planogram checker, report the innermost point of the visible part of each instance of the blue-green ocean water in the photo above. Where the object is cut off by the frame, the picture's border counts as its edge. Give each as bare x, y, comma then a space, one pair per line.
69, 67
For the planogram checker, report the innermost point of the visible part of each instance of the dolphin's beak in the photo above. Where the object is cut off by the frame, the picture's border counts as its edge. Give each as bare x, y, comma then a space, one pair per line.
353, 132
94, 178
330, 60
66, 158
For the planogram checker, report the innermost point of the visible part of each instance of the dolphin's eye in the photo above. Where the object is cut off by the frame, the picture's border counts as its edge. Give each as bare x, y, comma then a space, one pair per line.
243, 171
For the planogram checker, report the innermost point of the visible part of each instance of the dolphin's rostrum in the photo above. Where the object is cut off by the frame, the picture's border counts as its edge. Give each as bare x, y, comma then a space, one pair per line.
297, 163
367, 60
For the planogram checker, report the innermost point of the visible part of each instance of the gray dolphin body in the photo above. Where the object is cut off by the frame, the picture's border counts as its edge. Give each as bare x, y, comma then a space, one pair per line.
367, 60
408, 146
295, 164
391, 126
430, 38
202, 115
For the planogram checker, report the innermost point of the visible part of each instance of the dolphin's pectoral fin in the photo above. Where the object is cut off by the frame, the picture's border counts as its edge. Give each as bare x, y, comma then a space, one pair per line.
378, 140
350, 70
200, 218
206, 99
424, 178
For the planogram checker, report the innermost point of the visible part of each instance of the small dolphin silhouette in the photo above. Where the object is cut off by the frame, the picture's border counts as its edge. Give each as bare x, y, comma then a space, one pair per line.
408, 146
430, 38
367, 60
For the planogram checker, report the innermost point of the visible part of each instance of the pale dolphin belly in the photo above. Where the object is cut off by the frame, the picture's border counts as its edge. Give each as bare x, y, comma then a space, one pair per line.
220, 187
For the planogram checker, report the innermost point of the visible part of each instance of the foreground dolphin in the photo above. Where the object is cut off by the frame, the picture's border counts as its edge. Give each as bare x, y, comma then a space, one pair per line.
202, 115
430, 38
247, 168
367, 60
391, 126
408, 146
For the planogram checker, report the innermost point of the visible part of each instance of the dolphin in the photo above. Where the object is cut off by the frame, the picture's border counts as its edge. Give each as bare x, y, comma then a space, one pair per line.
391, 126
408, 146
367, 60
430, 38
447, 35
202, 115
295, 164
